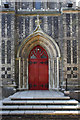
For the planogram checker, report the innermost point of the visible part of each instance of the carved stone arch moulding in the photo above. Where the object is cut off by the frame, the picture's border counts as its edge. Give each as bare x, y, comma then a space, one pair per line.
53, 52
39, 37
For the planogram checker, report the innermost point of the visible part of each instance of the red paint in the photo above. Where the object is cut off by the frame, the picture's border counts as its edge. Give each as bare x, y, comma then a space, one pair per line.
38, 69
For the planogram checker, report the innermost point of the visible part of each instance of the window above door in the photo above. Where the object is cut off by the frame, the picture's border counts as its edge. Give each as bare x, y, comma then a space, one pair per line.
38, 53
37, 4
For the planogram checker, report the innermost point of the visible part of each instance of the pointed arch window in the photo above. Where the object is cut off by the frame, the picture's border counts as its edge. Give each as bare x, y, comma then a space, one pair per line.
69, 51
8, 52
38, 53
3, 52
74, 51
68, 25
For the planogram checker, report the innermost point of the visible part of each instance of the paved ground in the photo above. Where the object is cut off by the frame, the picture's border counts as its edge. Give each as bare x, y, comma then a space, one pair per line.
38, 93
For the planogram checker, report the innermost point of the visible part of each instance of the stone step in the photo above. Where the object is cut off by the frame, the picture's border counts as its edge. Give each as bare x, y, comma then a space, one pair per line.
40, 98
41, 102
40, 107
20, 104
38, 112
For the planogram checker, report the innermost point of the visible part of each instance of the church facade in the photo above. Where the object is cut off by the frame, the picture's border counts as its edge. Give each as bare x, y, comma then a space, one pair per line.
40, 45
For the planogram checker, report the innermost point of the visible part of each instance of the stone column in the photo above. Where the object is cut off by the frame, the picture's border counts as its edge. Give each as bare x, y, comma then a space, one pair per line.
57, 73
49, 74
23, 74
19, 72
27, 75
53, 73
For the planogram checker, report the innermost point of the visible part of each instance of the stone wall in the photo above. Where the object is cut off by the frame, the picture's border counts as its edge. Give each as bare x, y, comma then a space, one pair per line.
15, 28
7, 46
55, 26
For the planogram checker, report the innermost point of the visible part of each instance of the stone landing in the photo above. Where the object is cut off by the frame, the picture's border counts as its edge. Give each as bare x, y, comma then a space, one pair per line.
39, 103
38, 94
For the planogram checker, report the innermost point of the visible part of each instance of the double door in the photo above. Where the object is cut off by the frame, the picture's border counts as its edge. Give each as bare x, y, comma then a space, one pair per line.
38, 74
38, 69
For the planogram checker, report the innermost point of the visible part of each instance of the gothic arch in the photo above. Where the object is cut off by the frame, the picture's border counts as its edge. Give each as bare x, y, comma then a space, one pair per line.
53, 51
39, 36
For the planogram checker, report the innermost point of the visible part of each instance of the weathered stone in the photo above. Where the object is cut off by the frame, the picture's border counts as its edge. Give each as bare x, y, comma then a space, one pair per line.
18, 26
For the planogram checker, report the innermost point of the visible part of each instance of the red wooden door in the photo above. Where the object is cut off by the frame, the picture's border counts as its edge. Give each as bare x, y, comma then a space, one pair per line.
38, 69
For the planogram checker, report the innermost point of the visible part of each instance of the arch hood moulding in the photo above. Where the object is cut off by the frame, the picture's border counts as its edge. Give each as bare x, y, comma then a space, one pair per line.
38, 37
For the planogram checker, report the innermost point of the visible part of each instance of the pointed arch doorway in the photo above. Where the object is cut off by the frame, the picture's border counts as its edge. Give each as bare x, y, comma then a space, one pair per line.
38, 69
